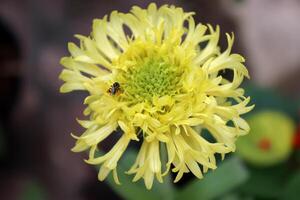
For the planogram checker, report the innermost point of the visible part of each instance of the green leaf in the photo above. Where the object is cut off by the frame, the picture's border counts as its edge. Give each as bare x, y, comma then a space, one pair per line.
229, 175
291, 191
266, 182
231, 196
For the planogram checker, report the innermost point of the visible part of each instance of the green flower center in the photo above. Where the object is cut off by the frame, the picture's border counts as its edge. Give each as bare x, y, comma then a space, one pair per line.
151, 77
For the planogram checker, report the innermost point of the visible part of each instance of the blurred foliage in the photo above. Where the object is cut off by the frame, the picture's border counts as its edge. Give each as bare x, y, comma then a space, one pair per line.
265, 183
276, 181
33, 191
269, 99
291, 191
229, 175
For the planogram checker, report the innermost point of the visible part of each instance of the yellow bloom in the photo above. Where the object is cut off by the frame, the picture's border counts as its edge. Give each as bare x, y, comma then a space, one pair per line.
154, 74
270, 140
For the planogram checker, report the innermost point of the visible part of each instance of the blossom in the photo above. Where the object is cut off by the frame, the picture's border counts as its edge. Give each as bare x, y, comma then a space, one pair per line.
154, 74
270, 140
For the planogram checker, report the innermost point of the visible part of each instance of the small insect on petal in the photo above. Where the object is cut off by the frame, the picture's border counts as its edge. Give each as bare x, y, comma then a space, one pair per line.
115, 89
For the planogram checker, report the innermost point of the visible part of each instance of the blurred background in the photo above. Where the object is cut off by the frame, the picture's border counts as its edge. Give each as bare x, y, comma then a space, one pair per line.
35, 119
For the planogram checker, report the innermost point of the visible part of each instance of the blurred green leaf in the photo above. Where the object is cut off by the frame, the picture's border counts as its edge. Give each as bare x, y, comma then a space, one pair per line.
230, 196
267, 98
229, 175
235, 196
137, 191
33, 191
291, 191
266, 182
297, 155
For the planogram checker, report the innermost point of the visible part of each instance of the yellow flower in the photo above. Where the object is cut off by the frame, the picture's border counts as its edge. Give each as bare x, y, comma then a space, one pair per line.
155, 74
270, 140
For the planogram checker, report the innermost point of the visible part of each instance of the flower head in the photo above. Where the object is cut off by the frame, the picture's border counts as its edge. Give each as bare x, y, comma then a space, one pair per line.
270, 141
155, 74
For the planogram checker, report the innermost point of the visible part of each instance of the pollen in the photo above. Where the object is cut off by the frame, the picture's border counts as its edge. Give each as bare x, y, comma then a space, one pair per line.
152, 78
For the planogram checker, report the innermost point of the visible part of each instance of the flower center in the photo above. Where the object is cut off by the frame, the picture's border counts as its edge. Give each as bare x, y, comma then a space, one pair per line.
151, 77
265, 144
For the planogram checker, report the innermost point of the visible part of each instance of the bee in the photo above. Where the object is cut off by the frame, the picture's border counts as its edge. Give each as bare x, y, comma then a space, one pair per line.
115, 89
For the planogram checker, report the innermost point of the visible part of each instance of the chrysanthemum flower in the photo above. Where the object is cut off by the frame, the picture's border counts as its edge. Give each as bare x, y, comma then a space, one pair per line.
155, 74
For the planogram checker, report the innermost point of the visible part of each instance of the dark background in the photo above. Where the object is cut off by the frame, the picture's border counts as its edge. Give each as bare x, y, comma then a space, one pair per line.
35, 119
